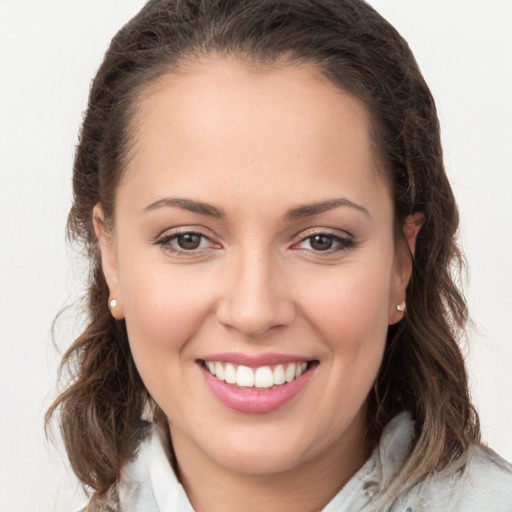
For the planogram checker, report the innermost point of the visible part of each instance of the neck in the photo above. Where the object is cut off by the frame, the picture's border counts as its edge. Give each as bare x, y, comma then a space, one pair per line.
304, 488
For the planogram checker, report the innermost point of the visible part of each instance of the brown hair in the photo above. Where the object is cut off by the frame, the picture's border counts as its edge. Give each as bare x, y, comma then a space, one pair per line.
423, 370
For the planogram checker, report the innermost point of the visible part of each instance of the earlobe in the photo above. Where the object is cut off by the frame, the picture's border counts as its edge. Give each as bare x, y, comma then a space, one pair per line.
401, 277
108, 262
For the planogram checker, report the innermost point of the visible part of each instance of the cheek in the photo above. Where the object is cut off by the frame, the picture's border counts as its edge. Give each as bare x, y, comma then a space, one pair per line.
350, 302
351, 315
164, 305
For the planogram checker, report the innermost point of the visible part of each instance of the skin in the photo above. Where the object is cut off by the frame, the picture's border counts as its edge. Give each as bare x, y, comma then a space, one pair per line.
256, 144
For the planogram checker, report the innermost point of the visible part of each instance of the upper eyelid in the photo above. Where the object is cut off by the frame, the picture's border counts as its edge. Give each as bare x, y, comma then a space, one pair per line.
182, 230
306, 233
337, 238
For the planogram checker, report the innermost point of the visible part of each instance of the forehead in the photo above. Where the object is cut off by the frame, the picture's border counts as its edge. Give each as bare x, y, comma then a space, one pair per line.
219, 120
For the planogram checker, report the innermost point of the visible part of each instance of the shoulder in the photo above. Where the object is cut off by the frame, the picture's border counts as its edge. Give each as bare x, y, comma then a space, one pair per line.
487, 480
485, 483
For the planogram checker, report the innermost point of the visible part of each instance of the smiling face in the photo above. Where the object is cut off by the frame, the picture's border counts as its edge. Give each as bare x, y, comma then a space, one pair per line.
254, 242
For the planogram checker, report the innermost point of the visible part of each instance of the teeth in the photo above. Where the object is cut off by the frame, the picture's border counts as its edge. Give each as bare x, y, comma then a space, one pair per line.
289, 374
279, 375
244, 377
230, 374
263, 377
300, 369
219, 371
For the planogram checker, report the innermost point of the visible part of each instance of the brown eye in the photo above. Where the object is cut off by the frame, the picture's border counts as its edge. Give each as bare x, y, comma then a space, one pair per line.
325, 243
189, 241
321, 242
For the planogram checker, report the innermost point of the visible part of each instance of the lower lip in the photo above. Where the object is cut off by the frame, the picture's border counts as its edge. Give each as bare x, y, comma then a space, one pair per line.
252, 400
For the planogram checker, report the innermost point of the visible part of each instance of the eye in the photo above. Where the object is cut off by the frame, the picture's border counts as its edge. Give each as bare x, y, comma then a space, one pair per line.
189, 241
185, 242
325, 242
321, 242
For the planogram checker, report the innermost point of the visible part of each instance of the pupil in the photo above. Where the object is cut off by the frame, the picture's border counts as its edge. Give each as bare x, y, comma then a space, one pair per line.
321, 242
189, 241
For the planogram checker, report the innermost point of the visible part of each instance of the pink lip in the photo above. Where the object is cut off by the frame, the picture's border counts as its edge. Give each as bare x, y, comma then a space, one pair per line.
255, 401
256, 360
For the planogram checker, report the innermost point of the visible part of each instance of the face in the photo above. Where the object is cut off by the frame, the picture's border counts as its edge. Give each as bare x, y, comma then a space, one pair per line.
254, 261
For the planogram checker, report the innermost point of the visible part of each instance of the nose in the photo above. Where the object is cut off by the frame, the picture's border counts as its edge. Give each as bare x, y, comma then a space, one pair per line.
255, 299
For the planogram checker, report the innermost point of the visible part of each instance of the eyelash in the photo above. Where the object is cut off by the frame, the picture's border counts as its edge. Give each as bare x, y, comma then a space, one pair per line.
166, 242
339, 243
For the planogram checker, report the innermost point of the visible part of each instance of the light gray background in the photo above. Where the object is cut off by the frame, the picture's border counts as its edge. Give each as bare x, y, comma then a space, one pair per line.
49, 51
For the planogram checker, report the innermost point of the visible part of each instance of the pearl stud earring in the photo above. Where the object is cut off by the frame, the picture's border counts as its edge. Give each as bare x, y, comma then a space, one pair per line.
402, 307
112, 303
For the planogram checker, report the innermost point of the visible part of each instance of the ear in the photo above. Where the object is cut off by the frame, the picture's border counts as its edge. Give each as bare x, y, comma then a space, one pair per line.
108, 262
404, 256
411, 229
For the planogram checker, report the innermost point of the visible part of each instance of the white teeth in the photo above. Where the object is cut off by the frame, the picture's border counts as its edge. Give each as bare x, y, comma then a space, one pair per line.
300, 369
263, 377
279, 375
245, 377
230, 374
219, 371
289, 374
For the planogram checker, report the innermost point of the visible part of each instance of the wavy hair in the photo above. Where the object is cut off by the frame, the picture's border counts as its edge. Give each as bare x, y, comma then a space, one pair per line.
423, 370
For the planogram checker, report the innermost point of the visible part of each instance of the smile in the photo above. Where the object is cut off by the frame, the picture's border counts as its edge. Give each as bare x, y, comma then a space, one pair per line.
263, 377
255, 387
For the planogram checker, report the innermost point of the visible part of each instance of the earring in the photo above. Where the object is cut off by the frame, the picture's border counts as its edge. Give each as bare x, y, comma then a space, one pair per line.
112, 303
402, 307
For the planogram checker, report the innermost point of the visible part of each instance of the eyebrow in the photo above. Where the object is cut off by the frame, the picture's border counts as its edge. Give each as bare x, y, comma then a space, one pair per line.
187, 204
209, 210
320, 207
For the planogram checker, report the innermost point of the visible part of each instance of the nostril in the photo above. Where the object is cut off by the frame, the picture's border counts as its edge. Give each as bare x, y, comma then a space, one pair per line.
254, 321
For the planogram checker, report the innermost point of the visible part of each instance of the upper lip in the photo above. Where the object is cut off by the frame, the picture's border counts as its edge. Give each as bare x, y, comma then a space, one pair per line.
255, 361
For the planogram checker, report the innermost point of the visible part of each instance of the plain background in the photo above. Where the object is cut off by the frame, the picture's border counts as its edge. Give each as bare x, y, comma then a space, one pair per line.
49, 51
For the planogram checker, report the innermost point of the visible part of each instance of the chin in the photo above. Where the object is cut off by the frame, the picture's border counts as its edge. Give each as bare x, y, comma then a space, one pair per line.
258, 461
268, 448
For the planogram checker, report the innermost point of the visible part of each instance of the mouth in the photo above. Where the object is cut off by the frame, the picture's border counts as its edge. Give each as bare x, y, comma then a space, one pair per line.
256, 389
261, 377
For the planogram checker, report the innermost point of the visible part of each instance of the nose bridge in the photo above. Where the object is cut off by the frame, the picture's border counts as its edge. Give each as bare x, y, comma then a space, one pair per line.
255, 298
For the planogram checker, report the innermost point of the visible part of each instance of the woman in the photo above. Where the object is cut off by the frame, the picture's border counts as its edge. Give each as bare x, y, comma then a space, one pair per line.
260, 189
